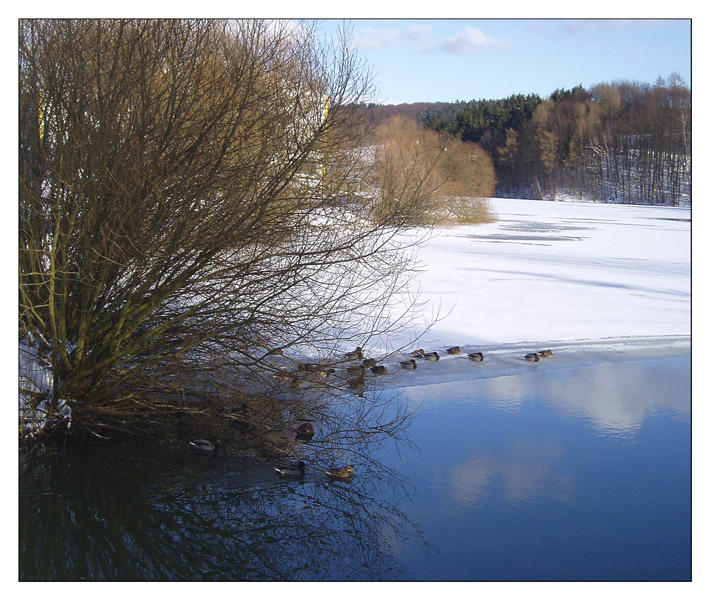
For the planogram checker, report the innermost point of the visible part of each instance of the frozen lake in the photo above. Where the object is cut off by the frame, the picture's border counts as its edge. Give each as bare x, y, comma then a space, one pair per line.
557, 271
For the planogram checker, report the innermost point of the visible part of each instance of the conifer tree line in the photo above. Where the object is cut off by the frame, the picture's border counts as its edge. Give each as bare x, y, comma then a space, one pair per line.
624, 141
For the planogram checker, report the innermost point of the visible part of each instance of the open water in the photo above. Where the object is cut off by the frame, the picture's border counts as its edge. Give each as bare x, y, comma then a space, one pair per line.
579, 473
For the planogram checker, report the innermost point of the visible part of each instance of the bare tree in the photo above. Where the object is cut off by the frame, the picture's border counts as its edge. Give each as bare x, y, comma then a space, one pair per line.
428, 178
184, 226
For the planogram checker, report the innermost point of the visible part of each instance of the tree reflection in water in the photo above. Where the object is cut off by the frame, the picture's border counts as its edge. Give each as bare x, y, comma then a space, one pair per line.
126, 513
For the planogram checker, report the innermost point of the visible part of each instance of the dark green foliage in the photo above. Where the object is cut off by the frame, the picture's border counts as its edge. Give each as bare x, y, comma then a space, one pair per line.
485, 121
561, 94
624, 142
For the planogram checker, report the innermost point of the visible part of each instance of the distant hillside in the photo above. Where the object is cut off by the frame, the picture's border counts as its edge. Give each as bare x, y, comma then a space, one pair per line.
417, 110
616, 142
423, 112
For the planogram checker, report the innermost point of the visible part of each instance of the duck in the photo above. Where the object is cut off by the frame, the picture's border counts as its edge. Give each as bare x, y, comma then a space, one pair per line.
355, 354
296, 383
292, 470
418, 353
321, 373
346, 472
532, 357
476, 356
356, 370
546, 353
410, 364
305, 431
379, 370
369, 362
205, 446
431, 356
453, 350
307, 367
359, 381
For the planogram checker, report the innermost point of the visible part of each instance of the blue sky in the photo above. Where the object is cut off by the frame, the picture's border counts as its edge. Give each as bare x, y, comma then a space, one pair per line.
461, 59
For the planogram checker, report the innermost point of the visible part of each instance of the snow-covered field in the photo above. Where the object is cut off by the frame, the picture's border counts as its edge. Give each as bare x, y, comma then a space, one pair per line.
558, 272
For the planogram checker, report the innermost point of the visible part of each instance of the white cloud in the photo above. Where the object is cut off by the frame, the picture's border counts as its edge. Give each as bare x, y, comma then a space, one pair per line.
415, 37
421, 38
471, 39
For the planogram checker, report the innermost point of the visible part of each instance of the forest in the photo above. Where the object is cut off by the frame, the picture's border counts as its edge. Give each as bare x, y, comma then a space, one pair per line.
625, 142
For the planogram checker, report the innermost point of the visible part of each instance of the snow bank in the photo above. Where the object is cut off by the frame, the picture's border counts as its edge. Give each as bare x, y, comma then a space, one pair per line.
554, 272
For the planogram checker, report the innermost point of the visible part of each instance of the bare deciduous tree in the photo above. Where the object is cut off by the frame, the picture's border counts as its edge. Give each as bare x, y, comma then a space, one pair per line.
185, 227
429, 178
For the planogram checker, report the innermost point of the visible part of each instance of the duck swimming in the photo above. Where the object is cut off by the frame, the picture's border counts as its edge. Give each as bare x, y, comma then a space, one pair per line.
476, 356
453, 350
410, 364
432, 356
205, 446
293, 470
305, 431
532, 357
341, 472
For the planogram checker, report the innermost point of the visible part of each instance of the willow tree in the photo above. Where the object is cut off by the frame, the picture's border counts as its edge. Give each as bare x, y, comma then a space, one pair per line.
426, 177
184, 227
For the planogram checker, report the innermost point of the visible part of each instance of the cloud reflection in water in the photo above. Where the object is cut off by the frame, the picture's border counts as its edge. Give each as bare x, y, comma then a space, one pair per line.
494, 437
527, 471
616, 398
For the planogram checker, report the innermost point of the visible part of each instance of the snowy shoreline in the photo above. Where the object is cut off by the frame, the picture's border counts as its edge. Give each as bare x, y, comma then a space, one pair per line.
556, 271
592, 282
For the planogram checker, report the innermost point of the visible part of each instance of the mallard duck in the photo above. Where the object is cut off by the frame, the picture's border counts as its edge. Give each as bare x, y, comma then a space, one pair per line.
358, 381
305, 430
354, 355
379, 370
418, 353
476, 356
546, 353
341, 472
296, 383
453, 350
307, 367
410, 364
293, 470
205, 446
320, 374
532, 357
432, 356
356, 370
369, 362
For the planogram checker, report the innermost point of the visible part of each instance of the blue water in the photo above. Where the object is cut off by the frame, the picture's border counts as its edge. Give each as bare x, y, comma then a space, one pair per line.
581, 473
532, 477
